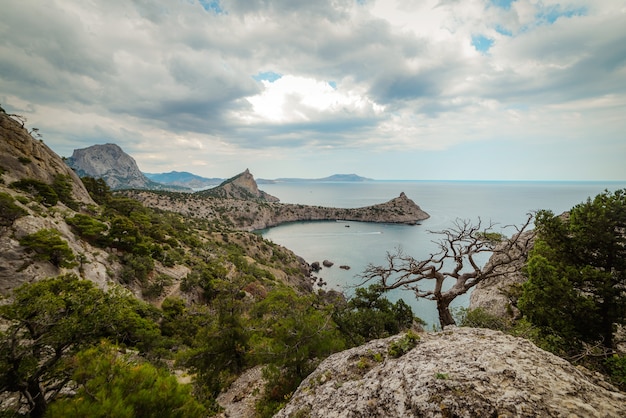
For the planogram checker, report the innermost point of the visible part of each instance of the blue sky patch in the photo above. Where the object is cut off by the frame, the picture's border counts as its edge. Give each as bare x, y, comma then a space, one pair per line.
333, 84
212, 6
270, 76
553, 13
481, 43
503, 31
503, 4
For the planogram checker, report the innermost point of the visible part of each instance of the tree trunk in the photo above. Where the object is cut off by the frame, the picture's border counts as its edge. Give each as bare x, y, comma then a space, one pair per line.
445, 317
39, 404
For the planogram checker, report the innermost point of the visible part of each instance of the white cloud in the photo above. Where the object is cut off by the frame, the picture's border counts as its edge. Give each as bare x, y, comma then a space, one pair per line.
178, 77
292, 99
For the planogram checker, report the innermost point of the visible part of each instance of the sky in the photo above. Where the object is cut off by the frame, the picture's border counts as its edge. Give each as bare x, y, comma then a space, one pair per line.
387, 89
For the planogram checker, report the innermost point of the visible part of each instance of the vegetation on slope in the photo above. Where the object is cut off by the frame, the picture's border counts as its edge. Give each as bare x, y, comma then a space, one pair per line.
69, 347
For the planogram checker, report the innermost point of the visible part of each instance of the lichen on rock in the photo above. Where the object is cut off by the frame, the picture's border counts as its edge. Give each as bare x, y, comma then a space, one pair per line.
465, 372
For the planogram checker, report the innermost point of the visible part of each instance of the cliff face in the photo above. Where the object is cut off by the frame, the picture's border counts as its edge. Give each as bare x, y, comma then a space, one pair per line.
494, 295
21, 156
109, 162
459, 372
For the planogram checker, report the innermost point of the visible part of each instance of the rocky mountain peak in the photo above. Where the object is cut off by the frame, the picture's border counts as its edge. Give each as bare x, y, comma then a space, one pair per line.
23, 157
111, 163
241, 186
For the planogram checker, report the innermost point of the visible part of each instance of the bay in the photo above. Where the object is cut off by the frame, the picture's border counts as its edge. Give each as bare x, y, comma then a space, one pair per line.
357, 244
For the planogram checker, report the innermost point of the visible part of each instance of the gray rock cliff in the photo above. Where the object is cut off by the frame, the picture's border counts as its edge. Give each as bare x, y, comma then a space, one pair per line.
109, 162
459, 372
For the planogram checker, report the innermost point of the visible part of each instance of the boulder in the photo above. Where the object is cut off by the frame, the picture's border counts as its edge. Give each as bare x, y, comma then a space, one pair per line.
461, 372
327, 263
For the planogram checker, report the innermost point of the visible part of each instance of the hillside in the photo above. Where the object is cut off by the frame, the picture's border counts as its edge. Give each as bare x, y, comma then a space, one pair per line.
101, 261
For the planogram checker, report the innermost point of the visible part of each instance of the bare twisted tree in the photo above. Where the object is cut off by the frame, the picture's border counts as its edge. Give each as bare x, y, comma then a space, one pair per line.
457, 261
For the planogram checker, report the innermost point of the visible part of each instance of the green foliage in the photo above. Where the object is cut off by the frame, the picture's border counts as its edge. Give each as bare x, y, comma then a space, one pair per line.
296, 334
577, 272
221, 345
403, 345
97, 189
136, 267
48, 245
44, 193
155, 288
24, 160
62, 185
480, 318
368, 316
49, 321
88, 228
616, 367
115, 385
9, 211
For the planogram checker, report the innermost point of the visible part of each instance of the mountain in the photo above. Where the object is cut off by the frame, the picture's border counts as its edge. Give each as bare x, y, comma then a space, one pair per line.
184, 179
241, 186
111, 163
334, 177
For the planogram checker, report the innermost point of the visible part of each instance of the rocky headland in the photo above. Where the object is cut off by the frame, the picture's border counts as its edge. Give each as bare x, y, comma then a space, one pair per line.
239, 203
250, 215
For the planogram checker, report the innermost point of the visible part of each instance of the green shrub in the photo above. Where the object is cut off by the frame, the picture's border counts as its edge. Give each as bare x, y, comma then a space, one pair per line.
9, 211
44, 192
136, 267
87, 227
24, 160
616, 367
110, 384
405, 344
48, 245
480, 318
62, 185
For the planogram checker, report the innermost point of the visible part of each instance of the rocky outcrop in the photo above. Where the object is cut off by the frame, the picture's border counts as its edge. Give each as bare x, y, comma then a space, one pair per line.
23, 157
459, 372
255, 214
496, 295
109, 162
242, 186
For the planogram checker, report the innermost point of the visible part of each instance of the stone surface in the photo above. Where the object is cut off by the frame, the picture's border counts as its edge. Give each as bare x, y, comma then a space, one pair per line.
494, 295
459, 372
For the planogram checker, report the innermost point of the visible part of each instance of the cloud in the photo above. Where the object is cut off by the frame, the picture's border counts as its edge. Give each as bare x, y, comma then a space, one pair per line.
226, 82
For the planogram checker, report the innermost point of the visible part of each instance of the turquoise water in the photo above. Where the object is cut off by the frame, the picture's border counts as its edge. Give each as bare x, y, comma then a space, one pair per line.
358, 244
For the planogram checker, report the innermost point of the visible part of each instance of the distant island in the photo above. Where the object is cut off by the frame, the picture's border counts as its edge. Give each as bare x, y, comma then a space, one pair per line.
333, 178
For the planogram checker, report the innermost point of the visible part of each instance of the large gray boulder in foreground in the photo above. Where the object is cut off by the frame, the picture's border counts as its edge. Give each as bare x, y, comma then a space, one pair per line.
459, 372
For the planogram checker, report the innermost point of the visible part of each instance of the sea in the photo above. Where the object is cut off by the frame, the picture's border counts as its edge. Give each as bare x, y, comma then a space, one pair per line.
503, 204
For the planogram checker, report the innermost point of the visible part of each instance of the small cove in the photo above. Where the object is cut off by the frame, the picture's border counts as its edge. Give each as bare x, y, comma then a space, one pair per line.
357, 244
